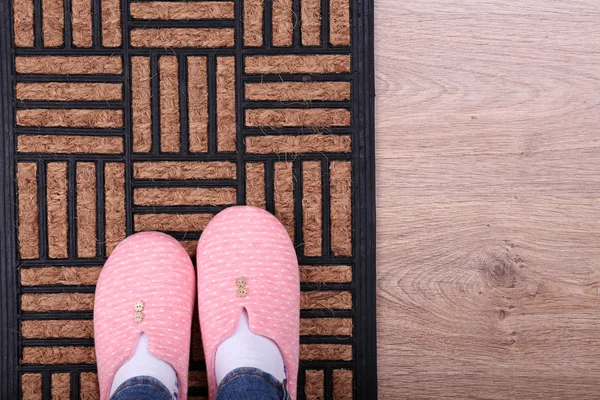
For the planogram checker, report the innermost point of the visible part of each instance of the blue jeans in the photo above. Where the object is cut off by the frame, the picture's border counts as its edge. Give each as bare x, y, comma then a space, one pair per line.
142, 388
239, 384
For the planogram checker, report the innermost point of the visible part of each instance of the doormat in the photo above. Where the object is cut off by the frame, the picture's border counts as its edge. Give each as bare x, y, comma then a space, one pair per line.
125, 116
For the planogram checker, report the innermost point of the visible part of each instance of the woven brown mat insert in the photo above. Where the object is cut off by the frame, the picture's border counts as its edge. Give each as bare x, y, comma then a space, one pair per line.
128, 116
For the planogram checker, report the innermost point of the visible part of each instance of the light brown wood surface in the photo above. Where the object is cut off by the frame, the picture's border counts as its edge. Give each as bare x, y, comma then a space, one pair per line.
488, 192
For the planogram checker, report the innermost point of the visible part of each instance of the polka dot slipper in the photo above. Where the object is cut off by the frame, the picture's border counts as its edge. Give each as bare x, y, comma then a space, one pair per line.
146, 286
247, 260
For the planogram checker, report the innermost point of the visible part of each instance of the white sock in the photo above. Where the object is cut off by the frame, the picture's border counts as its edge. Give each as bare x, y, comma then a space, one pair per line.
144, 363
247, 349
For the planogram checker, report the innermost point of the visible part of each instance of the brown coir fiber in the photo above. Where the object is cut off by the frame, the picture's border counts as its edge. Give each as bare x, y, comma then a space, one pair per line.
298, 144
330, 300
28, 210
171, 222
298, 91
253, 22
23, 23
325, 273
57, 329
197, 104
59, 276
184, 196
86, 209
313, 352
61, 386
340, 176
111, 23
295, 64
68, 91
58, 355
42, 302
169, 104
313, 384
282, 117
283, 27
339, 22
342, 384
141, 106
190, 246
66, 65
255, 184
226, 124
183, 37
197, 379
184, 170
114, 204
81, 22
53, 22
310, 11
88, 383
56, 201
31, 386
181, 10
197, 351
82, 118
312, 214
284, 196
326, 326
315, 142
69, 144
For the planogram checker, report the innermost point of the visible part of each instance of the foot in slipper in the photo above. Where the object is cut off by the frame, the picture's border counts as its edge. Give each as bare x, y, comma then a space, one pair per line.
249, 304
142, 319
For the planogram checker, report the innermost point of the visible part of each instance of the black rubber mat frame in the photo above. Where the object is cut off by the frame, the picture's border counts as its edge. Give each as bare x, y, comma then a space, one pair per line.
363, 156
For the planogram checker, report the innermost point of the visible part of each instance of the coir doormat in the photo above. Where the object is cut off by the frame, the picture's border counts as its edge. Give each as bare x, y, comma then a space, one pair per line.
123, 116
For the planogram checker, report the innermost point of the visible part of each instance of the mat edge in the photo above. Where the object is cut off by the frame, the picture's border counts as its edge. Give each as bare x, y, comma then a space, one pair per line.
365, 201
9, 384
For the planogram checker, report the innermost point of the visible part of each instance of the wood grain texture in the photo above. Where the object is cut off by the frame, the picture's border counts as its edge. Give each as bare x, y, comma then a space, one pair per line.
488, 199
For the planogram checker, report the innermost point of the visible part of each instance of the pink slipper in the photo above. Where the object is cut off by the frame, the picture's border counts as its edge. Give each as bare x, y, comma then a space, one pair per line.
146, 286
246, 260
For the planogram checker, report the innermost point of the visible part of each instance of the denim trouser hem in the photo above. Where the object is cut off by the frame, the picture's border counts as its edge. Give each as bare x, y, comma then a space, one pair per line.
142, 388
240, 384
251, 384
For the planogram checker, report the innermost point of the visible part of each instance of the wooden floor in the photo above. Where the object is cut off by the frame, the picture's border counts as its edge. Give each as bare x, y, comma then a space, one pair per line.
488, 191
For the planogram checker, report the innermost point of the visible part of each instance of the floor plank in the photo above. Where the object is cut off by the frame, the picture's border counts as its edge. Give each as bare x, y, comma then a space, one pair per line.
488, 191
